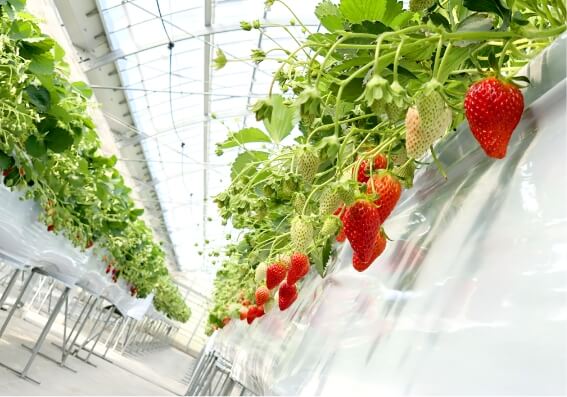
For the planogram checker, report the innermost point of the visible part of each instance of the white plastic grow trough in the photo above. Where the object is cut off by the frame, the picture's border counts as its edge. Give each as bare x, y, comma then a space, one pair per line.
470, 298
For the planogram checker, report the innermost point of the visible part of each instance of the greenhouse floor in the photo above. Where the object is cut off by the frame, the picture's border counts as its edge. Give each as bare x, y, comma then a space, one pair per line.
155, 373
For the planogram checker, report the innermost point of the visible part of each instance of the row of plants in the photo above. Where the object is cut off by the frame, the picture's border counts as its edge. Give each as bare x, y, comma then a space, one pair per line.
49, 149
371, 96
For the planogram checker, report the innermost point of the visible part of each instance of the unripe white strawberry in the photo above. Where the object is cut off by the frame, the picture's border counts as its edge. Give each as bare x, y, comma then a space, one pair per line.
425, 123
306, 163
301, 234
260, 275
329, 201
331, 226
420, 5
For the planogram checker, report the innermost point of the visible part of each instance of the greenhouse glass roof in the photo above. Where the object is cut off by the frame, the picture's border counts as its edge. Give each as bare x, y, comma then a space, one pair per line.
181, 106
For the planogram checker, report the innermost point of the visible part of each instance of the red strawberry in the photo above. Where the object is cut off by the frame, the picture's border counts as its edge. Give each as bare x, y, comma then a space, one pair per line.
493, 109
299, 267
363, 174
379, 247
260, 311
50, 228
388, 189
362, 224
108, 268
341, 237
243, 313
251, 315
262, 295
7, 171
275, 274
287, 295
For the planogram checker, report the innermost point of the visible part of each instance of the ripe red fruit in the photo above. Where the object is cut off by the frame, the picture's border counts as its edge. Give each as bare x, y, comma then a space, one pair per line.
262, 295
299, 267
341, 237
287, 295
7, 171
243, 312
90, 243
260, 311
493, 109
108, 268
275, 274
379, 247
363, 173
251, 315
362, 224
389, 189
50, 228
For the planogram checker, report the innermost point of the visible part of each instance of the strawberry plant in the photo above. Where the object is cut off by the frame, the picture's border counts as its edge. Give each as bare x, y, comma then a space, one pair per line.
372, 92
49, 149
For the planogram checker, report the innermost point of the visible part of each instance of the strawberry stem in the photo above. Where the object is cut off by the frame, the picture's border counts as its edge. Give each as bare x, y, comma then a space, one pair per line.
438, 163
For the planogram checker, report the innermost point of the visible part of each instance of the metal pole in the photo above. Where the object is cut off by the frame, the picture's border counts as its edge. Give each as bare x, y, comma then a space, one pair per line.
91, 332
112, 335
100, 333
45, 330
15, 306
9, 287
76, 323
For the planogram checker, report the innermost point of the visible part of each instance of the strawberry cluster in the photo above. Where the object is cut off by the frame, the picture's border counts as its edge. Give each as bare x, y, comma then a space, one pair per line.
282, 275
362, 221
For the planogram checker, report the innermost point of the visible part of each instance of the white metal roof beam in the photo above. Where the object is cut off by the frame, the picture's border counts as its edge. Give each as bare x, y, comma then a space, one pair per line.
204, 33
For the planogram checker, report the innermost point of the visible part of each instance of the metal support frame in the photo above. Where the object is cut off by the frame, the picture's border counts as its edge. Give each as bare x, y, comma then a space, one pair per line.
35, 350
9, 287
104, 325
16, 303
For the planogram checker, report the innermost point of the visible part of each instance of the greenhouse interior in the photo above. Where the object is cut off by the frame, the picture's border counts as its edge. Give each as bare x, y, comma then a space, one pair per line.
283, 197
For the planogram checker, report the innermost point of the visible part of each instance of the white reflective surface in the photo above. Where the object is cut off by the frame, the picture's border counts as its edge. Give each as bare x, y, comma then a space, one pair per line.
470, 298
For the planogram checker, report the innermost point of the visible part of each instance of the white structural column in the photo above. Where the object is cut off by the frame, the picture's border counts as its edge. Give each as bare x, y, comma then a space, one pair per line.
207, 55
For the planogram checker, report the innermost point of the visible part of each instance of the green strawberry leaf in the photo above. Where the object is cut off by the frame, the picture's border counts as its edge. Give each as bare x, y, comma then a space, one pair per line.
477, 22
320, 257
440, 20
385, 11
246, 135
35, 147
58, 140
17, 4
21, 29
42, 65
244, 164
83, 88
281, 123
329, 15
5, 160
493, 6
39, 97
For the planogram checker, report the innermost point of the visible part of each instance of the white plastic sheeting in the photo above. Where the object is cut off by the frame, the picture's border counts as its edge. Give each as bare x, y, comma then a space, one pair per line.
25, 243
471, 296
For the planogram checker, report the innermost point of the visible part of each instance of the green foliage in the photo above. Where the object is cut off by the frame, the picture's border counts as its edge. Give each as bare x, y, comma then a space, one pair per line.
50, 150
347, 91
